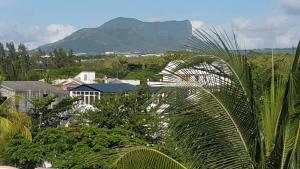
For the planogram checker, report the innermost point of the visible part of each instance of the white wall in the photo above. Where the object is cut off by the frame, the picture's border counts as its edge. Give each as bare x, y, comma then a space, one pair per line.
87, 77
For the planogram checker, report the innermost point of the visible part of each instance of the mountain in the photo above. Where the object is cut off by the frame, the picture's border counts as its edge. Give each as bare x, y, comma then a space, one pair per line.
126, 35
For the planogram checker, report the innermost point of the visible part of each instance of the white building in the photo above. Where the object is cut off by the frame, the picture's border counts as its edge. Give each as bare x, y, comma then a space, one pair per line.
86, 77
204, 74
91, 93
117, 81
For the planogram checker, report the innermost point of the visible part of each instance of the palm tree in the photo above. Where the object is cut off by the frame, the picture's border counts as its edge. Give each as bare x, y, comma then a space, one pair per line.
217, 118
13, 122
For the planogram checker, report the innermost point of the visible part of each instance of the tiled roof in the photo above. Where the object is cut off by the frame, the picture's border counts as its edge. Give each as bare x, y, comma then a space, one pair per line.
30, 86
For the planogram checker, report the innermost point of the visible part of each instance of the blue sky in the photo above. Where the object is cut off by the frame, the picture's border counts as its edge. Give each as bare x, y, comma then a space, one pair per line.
37, 22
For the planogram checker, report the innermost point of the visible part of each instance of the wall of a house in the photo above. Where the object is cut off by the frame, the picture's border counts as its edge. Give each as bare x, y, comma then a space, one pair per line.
87, 77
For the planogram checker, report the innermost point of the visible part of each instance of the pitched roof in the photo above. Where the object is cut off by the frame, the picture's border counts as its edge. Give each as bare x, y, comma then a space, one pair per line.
109, 88
30, 86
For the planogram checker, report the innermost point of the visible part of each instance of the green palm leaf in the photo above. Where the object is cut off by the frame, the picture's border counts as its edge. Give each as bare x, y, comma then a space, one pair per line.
5, 127
13, 122
215, 118
291, 144
145, 158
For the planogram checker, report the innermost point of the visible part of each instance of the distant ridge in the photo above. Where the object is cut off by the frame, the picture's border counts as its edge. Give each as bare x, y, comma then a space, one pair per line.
126, 35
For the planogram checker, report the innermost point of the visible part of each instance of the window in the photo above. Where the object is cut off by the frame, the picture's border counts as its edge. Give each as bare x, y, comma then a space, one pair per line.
92, 99
86, 100
85, 77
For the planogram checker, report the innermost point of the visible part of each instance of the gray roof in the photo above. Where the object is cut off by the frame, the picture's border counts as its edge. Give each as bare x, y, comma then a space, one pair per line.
30, 86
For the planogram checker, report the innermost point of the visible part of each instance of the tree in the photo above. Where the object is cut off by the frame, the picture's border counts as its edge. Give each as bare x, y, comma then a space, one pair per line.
12, 123
219, 122
74, 148
60, 58
25, 65
127, 111
15, 64
47, 111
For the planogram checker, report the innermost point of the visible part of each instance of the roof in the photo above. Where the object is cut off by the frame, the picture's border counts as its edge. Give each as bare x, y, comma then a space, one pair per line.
171, 67
107, 88
30, 86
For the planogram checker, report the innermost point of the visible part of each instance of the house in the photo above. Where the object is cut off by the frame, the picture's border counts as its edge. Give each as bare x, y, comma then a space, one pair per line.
92, 92
116, 80
67, 84
84, 77
203, 74
28, 90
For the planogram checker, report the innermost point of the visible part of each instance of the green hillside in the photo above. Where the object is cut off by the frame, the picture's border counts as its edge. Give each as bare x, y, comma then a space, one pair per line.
127, 35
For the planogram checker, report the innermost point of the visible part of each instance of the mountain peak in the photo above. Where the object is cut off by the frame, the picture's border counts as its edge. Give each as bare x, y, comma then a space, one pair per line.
121, 21
126, 35
124, 19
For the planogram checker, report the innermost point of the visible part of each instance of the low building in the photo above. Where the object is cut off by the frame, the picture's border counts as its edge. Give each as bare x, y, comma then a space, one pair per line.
84, 77
116, 80
28, 90
204, 74
92, 92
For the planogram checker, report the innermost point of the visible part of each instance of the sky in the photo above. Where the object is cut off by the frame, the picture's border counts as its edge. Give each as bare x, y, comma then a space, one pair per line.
258, 23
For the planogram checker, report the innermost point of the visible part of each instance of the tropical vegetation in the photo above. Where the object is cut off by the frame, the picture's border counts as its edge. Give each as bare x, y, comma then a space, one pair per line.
12, 123
241, 112
221, 121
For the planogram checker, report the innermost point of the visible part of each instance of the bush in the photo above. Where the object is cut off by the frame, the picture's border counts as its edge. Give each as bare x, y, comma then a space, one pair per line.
77, 148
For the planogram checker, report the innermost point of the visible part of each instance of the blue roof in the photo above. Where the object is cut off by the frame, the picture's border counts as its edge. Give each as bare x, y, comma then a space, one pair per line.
106, 88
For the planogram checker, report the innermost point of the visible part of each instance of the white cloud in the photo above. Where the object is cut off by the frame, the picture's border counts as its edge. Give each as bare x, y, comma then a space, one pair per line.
251, 33
277, 31
197, 24
290, 6
34, 36
58, 31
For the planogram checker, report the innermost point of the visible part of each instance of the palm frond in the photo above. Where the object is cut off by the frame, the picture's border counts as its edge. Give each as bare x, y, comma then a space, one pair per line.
145, 158
225, 48
219, 92
291, 144
286, 130
5, 127
272, 108
13, 122
205, 129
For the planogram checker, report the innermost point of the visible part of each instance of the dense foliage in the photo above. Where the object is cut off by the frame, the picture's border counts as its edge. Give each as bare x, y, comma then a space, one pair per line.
20, 64
49, 111
125, 118
128, 111
219, 118
12, 123
77, 148
232, 127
